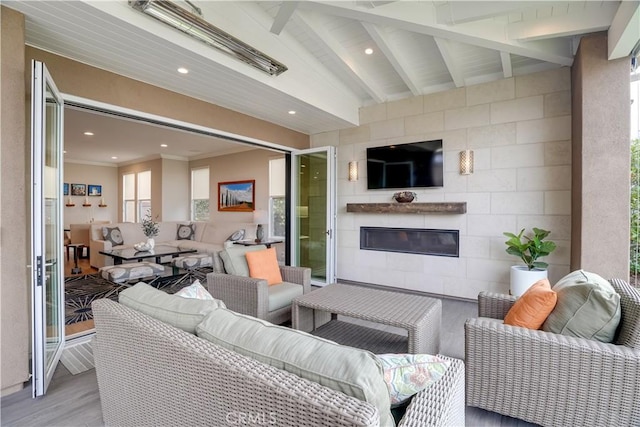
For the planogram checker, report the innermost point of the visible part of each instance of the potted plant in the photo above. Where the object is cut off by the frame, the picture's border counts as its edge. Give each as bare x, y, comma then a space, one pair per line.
528, 249
150, 229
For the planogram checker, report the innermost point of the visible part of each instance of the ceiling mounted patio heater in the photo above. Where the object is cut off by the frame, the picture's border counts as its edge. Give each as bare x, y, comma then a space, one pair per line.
193, 25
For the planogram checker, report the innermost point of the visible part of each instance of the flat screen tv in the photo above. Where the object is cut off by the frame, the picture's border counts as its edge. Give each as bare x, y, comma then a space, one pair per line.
417, 164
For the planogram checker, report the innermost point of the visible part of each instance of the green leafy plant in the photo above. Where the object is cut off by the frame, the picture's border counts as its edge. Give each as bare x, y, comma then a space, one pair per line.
150, 228
529, 249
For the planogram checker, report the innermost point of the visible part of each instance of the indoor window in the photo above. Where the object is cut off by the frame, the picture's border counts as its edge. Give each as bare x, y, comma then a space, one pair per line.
277, 173
200, 194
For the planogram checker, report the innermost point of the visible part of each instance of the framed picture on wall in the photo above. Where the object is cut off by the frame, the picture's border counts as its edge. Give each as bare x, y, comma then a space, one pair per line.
236, 196
65, 189
78, 189
95, 190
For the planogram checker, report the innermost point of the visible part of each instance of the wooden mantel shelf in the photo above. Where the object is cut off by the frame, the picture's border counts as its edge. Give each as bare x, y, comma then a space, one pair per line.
417, 208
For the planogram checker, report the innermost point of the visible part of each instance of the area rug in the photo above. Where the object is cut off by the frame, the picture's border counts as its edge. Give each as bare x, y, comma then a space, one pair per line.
80, 291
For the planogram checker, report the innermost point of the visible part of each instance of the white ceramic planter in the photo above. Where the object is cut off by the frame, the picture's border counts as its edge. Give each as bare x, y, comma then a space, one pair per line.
522, 278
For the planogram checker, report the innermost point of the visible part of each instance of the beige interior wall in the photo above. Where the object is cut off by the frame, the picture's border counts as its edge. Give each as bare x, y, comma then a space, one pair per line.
14, 199
601, 156
155, 166
176, 197
248, 165
79, 79
107, 176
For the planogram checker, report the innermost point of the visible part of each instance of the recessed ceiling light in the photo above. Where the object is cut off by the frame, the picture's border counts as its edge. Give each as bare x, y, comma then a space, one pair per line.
368, 51
88, 133
163, 145
292, 112
64, 152
183, 70
114, 157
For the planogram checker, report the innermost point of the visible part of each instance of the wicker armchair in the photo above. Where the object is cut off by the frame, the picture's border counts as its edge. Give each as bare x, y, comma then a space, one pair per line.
250, 296
551, 379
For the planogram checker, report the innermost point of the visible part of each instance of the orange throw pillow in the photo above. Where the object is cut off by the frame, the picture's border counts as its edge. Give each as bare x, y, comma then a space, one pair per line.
264, 265
533, 307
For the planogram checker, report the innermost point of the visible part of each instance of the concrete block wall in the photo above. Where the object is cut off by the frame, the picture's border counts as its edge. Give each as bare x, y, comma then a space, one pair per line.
520, 131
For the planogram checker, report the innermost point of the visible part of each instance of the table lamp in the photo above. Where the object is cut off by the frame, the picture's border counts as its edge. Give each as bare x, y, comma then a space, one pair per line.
259, 217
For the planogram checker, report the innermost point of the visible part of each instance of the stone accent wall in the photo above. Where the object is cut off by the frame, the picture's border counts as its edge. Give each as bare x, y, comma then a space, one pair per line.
520, 131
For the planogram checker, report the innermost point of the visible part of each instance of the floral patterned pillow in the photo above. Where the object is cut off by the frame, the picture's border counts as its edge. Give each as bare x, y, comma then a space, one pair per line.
113, 234
194, 290
407, 374
186, 231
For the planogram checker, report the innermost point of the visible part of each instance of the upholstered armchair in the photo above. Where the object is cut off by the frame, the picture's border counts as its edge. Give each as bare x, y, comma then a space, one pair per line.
230, 282
551, 379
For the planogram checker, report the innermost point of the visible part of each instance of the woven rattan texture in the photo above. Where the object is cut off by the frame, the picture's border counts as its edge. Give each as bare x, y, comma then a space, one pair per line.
420, 316
551, 379
150, 373
377, 342
250, 296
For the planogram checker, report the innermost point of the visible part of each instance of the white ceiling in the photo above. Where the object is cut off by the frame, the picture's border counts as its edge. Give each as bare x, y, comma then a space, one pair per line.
420, 47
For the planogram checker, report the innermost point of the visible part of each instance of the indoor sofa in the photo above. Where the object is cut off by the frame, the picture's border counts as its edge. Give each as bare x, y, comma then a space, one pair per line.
208, 237
152, 373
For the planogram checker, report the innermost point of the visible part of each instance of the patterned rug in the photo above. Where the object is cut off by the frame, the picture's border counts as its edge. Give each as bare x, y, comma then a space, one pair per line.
80, 291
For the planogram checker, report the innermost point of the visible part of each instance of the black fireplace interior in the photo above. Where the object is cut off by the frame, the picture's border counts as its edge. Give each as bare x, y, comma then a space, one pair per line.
422, 241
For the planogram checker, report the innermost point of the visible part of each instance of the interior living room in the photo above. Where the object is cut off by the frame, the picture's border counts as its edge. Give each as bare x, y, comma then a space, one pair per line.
522, 110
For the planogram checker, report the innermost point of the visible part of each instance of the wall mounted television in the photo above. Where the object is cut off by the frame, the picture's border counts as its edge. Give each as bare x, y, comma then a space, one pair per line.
417, 164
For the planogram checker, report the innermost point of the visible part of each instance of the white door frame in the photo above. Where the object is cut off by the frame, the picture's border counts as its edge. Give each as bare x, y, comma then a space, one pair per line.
331, 247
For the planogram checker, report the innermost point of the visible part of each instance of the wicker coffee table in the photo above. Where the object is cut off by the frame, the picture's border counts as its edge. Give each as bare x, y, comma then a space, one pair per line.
317, 311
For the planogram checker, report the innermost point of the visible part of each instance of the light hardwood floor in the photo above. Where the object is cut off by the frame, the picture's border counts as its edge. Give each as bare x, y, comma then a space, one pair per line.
73, 400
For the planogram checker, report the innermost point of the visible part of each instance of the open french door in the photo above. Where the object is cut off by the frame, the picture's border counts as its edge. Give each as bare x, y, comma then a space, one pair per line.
313, 212
47, 264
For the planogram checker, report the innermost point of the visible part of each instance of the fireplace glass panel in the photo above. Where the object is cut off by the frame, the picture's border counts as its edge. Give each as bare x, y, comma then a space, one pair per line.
411, 240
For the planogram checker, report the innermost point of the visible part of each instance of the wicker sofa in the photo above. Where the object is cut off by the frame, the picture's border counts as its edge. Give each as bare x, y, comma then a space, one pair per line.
151, 373
209, 237
551, 379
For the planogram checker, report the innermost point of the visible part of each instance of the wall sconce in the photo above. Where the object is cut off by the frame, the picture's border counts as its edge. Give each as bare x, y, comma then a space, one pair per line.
466, 162
353, 171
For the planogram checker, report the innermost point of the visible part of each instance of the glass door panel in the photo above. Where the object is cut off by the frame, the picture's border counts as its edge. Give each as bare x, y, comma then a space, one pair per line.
46, 230
313, 216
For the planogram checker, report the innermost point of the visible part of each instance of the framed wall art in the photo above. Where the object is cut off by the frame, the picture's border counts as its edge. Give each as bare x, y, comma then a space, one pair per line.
236, 196
95, 190
65, 189
78, 189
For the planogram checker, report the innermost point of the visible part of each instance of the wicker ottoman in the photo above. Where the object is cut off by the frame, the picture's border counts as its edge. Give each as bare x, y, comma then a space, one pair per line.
419, 315
135, 270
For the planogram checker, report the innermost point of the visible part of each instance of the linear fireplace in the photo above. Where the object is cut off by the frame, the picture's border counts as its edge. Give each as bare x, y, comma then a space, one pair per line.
422, 241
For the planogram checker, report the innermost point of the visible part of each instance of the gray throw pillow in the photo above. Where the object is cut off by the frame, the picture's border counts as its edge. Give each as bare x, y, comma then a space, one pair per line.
114, 235
186, 231
587, 307
237, 235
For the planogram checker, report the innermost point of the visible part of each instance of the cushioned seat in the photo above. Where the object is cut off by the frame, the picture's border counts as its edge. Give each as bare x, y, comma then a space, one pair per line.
136, 270
230, 282
190, 262
282, 294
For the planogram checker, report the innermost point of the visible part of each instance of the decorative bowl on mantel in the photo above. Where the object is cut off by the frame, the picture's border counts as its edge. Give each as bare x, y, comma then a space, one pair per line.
404, 196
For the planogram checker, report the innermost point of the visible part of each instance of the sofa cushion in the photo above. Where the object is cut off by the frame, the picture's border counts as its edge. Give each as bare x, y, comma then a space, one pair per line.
235, 261
587, 307
349, 370
264, 265
183, 313
282, 294
113, 235
408, 374
185, 231
533, 307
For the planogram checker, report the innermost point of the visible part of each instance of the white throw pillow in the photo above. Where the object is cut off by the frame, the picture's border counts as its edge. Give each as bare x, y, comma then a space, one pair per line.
194, 290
